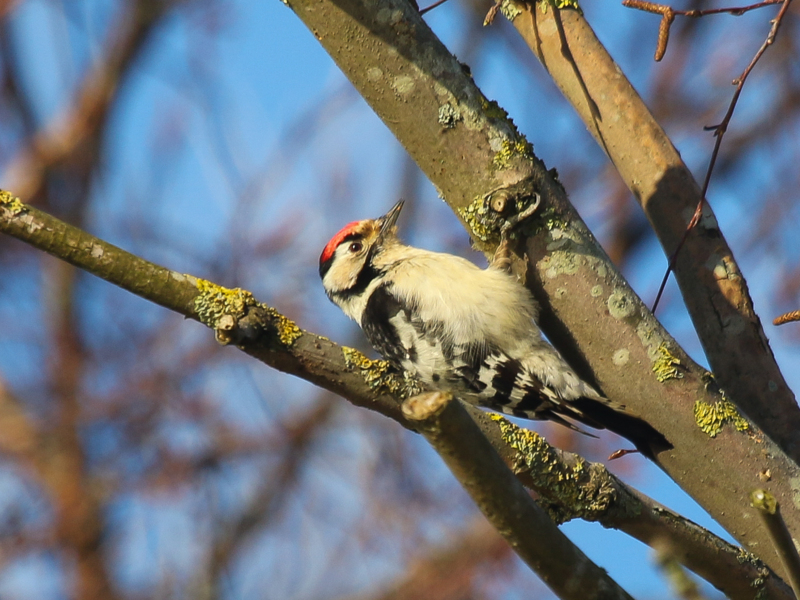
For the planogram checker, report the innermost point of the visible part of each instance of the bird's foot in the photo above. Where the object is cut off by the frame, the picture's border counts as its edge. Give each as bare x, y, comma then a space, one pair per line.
502, 256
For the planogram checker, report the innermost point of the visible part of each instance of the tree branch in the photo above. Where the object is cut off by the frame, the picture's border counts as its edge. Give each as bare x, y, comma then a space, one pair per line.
472, 152
713, 288
505, 503
270, 337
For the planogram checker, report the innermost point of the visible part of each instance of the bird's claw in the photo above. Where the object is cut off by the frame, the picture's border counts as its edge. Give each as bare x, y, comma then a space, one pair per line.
502, 256
514, 220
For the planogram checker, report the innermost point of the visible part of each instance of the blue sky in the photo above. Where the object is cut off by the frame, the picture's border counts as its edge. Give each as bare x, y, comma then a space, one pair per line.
235, 132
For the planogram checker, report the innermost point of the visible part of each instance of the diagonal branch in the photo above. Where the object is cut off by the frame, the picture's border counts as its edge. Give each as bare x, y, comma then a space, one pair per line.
270, 337
505, 503
471, 151
713, 288
719, 133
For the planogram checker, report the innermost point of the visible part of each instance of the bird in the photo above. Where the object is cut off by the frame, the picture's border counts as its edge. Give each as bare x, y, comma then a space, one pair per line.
465, 330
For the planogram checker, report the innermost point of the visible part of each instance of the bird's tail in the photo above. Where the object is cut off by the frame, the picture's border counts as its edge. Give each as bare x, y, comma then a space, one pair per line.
602, 415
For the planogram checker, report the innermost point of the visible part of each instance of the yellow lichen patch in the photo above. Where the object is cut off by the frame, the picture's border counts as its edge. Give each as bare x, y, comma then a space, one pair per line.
570, 489
745, 557
221, 308
10, 204
547, 219
509, 150
288, 331
764, 501
379, 375
216, 301
492, 109
484, 223
510, 10
567, 4
666, 365
711, 418
560, 4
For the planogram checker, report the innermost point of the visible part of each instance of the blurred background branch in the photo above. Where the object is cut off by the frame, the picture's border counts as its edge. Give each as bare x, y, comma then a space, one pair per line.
233, 149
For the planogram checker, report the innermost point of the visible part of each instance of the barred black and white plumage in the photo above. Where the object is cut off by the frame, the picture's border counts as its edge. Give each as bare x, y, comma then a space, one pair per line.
463, 329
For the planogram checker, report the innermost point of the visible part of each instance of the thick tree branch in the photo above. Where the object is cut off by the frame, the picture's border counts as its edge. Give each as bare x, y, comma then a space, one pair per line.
471, 151
714, 290
266, 335
505, 503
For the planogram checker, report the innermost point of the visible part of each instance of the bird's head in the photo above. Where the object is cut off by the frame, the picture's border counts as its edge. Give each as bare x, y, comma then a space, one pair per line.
346, 264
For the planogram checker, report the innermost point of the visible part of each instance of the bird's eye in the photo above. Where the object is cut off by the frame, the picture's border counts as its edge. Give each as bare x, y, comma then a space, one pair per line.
356, 247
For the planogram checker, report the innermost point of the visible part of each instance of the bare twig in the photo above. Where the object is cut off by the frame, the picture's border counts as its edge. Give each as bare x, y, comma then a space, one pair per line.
719, 132
274, 491
662, 9
449, 571
422, 11
787, 318
83, 120
668, 15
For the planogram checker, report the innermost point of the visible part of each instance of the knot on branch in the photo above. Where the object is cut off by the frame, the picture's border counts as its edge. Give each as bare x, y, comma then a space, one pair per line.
500, 212
238, 318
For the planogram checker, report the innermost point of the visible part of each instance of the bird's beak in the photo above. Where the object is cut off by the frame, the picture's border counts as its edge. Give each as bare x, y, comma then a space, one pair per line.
389, 220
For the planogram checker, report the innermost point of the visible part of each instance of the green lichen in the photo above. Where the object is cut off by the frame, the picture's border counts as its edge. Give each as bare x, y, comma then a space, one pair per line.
492, 110
762, 593
215, 301
621, 305
10, 204
711, 418
666, 365
483, 222
448, 116
562, 262
569, 491
509, 150
560, 5
547, 219
380, 376
288, 331
510, 10
220, 308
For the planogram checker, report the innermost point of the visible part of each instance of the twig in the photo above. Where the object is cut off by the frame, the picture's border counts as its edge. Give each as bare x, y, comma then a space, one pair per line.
422, 11
770, 512
505, 503
787, 318
668, 15
660, 9
719, 132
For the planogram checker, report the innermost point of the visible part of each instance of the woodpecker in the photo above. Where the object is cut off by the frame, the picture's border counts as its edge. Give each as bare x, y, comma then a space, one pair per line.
463, 329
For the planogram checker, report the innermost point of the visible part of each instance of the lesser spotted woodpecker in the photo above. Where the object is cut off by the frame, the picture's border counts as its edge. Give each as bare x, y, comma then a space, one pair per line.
462, 329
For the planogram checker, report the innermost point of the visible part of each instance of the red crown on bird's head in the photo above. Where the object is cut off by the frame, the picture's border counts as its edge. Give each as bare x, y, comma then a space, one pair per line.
331, 246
